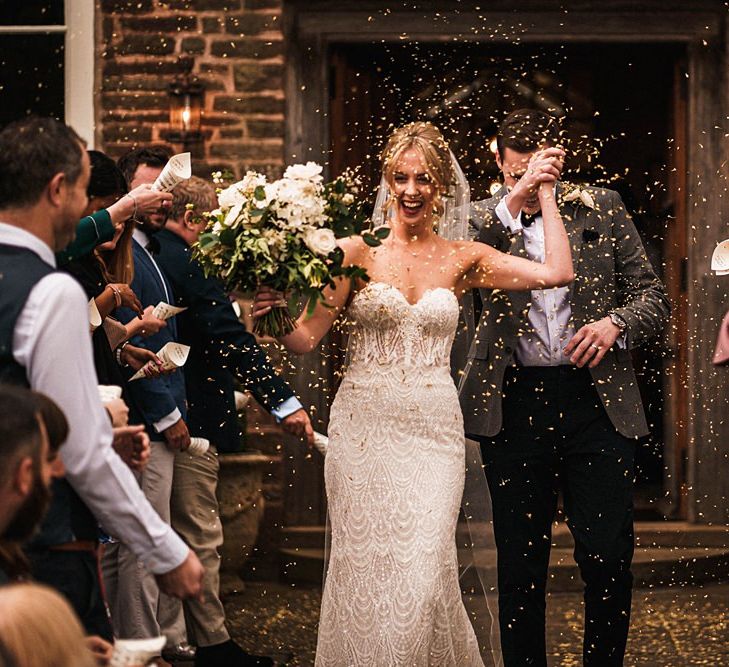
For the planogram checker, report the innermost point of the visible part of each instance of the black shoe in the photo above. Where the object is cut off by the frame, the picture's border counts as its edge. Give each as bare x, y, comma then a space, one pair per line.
182, 652
228, 654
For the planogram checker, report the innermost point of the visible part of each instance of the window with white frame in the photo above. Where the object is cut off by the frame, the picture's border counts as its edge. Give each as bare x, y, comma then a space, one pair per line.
47, 61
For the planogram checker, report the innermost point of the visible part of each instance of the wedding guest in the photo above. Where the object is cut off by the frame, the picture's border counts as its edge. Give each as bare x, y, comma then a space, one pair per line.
44, 344
551, 393
38, 628
53, 428
105, 274
134, 595
221, 350
28, 462
112, 205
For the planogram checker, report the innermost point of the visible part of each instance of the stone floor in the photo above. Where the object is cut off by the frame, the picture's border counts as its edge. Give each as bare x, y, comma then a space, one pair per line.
672, 627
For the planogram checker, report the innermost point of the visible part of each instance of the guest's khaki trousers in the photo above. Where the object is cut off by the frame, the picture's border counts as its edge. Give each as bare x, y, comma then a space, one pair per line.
135, 601
196, 518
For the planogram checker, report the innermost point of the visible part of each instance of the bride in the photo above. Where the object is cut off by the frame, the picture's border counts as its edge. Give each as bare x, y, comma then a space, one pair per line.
394, 468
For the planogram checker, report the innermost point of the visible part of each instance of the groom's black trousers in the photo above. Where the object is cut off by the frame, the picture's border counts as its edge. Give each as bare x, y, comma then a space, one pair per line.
557, 436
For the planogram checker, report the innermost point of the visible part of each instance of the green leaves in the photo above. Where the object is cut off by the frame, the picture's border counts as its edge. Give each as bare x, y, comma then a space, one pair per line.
227, 236
343, 229
374, 239
207, 241
371, 240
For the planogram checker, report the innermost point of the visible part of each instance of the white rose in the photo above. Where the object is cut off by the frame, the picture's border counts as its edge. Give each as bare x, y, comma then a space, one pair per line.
310, 171
320, 241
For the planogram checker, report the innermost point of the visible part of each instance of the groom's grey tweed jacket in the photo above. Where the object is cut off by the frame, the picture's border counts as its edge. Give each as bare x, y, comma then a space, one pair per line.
612, 272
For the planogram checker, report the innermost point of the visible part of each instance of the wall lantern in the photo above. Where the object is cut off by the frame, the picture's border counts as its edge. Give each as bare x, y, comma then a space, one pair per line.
186, 98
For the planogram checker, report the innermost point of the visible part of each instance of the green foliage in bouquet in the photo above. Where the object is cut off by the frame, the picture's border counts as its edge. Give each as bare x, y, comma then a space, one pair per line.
283, 235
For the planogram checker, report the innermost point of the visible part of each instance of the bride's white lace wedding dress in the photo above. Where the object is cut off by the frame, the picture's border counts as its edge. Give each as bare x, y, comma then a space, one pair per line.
394, 476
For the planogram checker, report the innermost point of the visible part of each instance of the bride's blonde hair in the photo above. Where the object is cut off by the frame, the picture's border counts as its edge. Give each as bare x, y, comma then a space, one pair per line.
427, 139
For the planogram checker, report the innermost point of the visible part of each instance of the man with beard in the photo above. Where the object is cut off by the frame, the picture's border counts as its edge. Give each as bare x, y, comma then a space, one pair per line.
45, 345
28, 462
32, 430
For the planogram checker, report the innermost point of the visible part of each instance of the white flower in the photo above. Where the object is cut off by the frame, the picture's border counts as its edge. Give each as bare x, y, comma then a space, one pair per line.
310, 171
320, 241
252, 180
232, 195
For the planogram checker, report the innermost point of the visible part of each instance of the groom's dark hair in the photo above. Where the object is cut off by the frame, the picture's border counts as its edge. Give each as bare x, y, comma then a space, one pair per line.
525, 130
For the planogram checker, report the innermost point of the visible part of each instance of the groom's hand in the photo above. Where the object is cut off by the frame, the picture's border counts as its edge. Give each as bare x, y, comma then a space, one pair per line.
591, 342
299, 424
545, 166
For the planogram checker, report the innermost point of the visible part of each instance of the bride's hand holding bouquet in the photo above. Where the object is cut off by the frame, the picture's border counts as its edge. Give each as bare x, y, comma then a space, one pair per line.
281, 237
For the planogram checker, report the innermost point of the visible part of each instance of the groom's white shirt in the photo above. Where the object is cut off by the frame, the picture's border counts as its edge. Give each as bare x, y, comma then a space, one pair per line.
550, 312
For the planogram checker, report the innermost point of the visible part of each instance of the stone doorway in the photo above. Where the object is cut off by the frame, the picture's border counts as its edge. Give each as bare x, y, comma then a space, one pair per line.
615, 102
330, 50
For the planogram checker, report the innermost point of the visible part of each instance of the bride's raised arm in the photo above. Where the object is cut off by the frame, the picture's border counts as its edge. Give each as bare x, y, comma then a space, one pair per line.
497, 270
310, 329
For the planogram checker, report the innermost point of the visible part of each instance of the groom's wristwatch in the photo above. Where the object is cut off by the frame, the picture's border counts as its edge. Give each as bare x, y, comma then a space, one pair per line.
618, 321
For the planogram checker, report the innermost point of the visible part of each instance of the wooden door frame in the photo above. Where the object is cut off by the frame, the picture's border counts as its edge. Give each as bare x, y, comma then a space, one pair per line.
310, 27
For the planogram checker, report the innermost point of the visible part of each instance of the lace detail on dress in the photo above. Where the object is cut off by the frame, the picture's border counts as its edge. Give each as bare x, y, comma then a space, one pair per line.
387, 329
394, 475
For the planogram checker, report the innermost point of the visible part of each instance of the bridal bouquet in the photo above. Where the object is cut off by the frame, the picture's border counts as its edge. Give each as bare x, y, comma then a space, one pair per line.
283, 234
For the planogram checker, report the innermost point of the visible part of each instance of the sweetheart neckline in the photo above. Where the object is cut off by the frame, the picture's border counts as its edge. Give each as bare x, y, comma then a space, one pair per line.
402, 296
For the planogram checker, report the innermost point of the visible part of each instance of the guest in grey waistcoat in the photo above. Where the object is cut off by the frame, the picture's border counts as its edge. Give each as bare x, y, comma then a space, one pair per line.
549, 389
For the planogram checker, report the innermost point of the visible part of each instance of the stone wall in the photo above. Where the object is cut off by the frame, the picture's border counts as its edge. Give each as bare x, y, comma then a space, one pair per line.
235, 48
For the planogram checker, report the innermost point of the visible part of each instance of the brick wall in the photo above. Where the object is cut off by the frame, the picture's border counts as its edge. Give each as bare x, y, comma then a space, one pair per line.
235, 48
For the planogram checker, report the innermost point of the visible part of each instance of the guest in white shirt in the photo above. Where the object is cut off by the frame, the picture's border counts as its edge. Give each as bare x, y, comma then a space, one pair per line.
44, 344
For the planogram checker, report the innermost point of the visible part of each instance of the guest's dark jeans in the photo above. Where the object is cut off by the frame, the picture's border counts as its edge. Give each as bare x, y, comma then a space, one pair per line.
75, 574
556, 436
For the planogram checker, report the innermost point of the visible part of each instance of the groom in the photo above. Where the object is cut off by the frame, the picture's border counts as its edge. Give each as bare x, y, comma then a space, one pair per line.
550, 392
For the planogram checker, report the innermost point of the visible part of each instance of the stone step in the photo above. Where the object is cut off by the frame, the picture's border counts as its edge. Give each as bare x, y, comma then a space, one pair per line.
666, 555
647, 534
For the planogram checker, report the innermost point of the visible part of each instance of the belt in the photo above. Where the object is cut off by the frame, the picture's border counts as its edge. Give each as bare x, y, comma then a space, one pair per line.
76, 545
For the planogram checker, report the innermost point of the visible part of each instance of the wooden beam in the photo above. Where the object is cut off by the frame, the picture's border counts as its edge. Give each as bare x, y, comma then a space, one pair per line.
708, 294
511, 27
